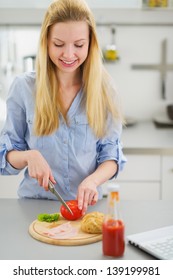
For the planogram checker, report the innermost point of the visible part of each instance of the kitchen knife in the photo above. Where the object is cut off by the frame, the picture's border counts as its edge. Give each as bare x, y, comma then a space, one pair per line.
56, 193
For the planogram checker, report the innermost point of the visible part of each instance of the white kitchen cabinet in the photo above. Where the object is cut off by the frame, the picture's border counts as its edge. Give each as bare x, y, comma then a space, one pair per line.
140, 179
115, 3
140, 190
149, 151
127, 4
91, 3
24, 3
116, 12
141, 168
9, 185
167, 177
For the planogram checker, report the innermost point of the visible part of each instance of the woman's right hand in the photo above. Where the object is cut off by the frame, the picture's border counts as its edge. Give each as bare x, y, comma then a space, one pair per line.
39, 169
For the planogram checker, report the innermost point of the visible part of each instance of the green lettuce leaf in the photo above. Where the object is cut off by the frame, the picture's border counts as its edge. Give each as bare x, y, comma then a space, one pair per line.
44, 217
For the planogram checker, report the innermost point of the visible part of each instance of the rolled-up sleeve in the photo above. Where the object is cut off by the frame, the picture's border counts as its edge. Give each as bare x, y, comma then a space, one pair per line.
12, 134
6, 146
110, 148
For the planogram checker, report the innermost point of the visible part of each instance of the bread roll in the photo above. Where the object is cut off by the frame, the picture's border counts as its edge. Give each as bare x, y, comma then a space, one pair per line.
92, 222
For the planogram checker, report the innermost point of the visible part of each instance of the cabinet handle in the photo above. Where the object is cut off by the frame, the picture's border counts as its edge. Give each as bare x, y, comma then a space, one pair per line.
171, 169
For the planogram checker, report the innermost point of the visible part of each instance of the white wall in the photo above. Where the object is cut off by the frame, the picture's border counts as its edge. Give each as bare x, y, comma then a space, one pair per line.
141, 90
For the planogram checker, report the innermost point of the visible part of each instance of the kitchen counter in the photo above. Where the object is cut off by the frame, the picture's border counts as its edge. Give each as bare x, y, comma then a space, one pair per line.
17, 214
146, 137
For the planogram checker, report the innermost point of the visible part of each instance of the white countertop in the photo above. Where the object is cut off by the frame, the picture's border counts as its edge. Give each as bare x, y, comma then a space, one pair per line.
17, 244
147, 137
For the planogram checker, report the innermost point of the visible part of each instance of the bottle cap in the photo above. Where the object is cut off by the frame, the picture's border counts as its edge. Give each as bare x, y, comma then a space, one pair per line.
113, 187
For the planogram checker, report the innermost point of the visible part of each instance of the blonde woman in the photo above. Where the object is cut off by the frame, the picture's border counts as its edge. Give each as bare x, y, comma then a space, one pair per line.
64, 122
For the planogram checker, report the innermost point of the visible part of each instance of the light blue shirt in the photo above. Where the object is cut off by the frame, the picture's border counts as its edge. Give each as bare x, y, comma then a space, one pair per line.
72, 151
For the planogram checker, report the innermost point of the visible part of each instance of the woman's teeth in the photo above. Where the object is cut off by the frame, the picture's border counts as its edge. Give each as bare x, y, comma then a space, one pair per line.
69, 62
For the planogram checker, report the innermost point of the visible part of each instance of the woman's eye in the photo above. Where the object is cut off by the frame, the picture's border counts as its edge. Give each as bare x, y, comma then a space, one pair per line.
59, 46
78, 46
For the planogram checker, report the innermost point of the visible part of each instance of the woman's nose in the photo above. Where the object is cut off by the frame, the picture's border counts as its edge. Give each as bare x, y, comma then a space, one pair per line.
68, 51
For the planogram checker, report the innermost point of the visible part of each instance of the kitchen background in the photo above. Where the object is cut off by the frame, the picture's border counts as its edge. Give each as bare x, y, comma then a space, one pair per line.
142, 70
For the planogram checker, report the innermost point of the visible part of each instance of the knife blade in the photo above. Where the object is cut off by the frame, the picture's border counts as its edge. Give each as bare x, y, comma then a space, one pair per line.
56, 193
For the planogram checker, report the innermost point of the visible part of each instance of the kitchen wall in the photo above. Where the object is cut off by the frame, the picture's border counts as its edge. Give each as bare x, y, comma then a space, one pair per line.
16, 42
141, 90
138, 41
139, 37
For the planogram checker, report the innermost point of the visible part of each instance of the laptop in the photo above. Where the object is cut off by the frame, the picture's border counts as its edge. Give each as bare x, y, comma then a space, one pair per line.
157, 242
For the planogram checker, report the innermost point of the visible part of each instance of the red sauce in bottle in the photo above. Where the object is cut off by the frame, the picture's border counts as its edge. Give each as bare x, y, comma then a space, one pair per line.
113, 238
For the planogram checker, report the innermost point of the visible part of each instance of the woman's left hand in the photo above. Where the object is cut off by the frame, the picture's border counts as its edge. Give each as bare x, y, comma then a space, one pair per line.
87, 194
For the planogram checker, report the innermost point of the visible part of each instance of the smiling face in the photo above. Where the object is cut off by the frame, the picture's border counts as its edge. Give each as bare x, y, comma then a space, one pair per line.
68, 44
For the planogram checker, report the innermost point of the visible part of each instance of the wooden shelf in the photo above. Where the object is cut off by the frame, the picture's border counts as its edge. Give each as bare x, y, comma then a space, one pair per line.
157, 9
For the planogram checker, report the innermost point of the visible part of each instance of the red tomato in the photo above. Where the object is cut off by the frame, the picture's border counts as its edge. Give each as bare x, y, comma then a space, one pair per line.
77, 213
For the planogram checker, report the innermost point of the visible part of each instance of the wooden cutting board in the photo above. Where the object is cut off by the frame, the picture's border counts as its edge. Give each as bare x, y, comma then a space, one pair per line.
37, 229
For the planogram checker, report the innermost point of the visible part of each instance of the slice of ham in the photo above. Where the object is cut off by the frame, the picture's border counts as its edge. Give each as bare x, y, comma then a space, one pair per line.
64, 231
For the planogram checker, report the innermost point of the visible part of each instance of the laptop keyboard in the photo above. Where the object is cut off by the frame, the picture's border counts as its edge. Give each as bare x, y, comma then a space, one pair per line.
162, 248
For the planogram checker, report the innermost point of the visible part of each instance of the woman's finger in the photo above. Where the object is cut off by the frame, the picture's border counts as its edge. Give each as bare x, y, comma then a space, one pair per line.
45, 183
85, 202
90, 198
40, 181
80, 197
95, 199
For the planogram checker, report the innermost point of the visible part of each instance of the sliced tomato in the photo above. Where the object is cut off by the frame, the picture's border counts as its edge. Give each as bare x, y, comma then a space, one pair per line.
77, 213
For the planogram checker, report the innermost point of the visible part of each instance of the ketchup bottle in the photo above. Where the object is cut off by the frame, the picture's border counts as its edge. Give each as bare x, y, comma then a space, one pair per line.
113, 226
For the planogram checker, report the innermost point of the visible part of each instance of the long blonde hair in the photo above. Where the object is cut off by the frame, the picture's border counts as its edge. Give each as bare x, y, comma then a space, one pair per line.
99, 94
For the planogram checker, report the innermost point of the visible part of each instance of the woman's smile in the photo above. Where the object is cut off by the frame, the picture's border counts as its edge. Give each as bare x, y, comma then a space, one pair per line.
70, 63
